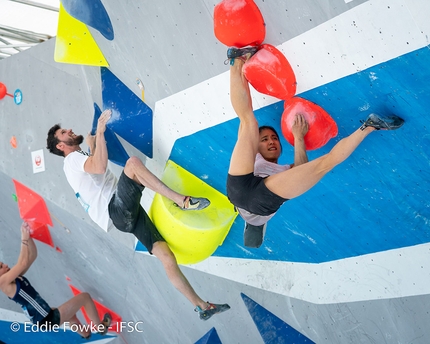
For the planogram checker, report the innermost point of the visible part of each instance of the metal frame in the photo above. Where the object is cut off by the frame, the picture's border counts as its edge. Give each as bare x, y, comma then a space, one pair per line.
14, 40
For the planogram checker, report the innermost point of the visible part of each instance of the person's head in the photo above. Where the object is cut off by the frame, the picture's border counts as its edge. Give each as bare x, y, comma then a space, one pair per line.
269, 145
3, 268
59, 139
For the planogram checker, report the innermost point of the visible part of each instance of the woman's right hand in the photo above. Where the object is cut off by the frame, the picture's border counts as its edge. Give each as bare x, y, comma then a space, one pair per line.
300, 126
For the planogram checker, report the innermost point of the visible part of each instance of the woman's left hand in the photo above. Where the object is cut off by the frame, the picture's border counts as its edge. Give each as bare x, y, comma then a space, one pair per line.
25, 231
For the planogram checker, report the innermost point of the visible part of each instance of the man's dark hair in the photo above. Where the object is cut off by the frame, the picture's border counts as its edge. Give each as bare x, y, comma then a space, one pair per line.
52, 141
260, 129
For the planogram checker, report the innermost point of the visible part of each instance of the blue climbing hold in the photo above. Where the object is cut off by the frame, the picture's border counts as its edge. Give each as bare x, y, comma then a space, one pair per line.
91, 13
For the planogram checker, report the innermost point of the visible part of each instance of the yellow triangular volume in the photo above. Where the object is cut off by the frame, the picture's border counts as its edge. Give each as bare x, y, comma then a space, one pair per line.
75, 44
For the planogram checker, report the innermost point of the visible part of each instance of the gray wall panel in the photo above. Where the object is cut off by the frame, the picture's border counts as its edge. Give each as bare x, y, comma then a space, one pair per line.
170, 45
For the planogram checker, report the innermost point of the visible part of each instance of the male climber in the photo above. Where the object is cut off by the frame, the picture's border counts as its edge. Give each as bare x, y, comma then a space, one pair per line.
107, 199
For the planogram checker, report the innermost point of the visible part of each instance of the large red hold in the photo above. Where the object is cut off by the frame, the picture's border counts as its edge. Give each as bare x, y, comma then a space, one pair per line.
238, 23
269, 72
32, 207
322, 126
41, 232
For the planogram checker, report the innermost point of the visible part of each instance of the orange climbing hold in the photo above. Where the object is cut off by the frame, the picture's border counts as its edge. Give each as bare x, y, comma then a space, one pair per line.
322, 126
116, 324
239, 23
12, 142
269, 72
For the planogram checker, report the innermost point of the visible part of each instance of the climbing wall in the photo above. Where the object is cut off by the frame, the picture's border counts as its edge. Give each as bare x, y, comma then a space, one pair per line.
346, 262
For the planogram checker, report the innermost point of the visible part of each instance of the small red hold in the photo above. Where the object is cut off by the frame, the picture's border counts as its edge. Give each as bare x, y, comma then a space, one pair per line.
322, 126
3, 91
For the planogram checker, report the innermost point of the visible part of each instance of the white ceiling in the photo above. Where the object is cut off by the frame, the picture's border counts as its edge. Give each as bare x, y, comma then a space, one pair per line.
24, 23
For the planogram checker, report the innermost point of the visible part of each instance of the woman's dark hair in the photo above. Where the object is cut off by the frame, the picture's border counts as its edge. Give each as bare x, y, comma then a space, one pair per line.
260, 129
52, 141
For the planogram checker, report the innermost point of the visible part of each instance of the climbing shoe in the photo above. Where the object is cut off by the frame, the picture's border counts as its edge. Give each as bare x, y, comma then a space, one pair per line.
210, 310
243, 53
378, 122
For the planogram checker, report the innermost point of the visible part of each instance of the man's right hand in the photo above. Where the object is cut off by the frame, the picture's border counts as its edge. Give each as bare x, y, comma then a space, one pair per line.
91, 141
103, 119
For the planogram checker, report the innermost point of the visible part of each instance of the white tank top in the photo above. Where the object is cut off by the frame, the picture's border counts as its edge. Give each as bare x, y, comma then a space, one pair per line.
264, 168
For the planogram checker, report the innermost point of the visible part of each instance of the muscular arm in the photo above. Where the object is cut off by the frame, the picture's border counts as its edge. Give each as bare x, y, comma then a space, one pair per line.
91, 142
26, 257
97, 162
299, 130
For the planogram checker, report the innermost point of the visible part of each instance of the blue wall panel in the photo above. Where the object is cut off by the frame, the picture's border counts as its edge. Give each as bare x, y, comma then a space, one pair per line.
377, 200
210, 338
272, 329
131, 117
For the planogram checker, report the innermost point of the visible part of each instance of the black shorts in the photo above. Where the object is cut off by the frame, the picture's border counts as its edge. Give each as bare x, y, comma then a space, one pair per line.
250, 193
128, 215
53, 318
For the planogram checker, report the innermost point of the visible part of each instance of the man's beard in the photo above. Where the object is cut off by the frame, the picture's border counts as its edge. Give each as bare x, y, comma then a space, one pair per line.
74, 141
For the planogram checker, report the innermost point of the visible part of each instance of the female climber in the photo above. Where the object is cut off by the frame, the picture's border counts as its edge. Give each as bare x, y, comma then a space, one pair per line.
18, 288
256, 184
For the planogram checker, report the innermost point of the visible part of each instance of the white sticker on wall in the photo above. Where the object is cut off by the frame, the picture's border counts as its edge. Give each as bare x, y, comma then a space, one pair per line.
38, 161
